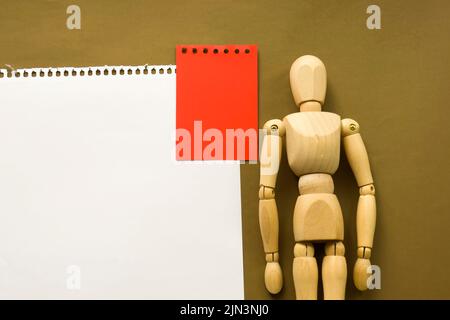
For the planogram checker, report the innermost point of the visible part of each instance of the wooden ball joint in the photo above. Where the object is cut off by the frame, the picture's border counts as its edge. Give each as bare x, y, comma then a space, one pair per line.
313, 140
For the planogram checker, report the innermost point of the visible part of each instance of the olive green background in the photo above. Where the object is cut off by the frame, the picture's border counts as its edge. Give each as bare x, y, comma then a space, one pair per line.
393, 81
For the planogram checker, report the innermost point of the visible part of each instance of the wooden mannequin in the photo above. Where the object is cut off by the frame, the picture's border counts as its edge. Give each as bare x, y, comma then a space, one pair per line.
313, 146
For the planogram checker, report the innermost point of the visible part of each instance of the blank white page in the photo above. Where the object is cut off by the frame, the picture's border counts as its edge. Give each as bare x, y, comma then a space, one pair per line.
93, 204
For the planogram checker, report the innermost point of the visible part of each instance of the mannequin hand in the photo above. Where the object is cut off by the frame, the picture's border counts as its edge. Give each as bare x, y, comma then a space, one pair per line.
361, 273
273, 277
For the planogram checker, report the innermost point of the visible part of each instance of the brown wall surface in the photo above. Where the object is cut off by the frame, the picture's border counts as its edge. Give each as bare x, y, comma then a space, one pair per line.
393, 81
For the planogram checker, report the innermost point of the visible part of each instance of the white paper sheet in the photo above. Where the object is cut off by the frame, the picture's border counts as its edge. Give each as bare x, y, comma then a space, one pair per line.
92, 204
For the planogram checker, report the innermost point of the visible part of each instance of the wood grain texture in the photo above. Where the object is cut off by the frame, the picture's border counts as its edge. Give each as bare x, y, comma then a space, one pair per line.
315, 183
308, 78
270, 159
334, 277
273, 277
313, 142
306, 276
318, 217
271, 152
335, 248
361, 273
366, 215
268, 214
310, 106
356, 152
268, 223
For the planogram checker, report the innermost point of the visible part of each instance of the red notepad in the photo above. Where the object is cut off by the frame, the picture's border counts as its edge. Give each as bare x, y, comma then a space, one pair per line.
217, 102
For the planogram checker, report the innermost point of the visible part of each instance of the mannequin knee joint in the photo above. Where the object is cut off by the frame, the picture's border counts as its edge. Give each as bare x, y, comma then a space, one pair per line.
335, 248
303, 250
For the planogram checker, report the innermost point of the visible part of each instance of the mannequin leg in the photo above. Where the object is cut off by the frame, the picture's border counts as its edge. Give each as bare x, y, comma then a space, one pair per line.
305, 272
334, 271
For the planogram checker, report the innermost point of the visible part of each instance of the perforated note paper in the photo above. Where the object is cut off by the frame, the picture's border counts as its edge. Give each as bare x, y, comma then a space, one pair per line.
94, 205
217, 102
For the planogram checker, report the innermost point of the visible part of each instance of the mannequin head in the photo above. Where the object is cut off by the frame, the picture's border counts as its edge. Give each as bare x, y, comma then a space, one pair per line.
308, 78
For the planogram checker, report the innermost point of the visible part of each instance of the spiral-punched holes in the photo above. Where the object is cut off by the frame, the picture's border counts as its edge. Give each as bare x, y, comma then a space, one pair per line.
81, 72
195, 50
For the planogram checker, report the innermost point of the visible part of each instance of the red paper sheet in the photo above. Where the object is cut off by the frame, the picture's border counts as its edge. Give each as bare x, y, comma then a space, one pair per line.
217, 102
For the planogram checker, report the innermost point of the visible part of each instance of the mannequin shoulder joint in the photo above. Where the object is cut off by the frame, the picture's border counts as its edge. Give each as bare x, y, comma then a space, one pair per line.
349, 127
275, 126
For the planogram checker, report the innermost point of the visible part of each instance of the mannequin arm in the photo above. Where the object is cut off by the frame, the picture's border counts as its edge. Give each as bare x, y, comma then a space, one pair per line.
366, 211
268, 213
